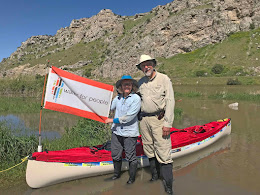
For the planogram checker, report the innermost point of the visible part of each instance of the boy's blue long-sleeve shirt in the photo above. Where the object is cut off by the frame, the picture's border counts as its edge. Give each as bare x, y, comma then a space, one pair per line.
126, 109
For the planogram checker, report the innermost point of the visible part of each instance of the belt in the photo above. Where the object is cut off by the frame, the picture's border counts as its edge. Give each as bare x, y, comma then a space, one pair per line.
159, 113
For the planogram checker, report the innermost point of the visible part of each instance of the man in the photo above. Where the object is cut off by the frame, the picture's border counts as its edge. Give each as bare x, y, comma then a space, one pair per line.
157, 114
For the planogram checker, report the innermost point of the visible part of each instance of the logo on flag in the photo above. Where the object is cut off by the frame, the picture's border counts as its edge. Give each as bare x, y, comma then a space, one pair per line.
57, 89
70, 93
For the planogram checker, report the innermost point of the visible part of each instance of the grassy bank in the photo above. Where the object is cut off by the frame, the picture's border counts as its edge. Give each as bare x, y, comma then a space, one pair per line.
191, 94
31, 87
220, 95
244, 80
23, 86
20, 104
236, 96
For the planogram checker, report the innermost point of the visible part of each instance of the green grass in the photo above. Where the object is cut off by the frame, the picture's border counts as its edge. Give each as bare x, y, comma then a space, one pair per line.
237, 54
20, 104
236, 96
93, 51
178, 114
208, 6
222, 96
245, 80
191, 94
30, 85
131, 23
12, 150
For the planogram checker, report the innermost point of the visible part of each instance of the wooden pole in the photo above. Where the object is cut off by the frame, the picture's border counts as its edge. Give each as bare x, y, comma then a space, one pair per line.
40, 123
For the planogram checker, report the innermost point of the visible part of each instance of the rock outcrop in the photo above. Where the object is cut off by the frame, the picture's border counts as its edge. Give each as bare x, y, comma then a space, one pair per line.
177, 27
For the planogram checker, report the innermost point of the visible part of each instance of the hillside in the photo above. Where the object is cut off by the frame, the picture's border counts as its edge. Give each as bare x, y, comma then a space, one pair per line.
236, 56
188, 38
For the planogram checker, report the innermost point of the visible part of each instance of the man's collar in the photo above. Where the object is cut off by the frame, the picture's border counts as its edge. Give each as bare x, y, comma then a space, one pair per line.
154, 76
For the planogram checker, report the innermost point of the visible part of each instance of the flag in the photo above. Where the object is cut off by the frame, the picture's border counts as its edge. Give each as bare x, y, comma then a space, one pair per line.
70, 93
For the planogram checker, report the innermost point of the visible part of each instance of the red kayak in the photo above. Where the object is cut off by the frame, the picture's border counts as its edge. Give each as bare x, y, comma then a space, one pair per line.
47, 168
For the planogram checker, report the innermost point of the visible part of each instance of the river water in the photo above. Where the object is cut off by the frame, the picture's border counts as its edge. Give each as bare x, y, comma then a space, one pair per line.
229, 166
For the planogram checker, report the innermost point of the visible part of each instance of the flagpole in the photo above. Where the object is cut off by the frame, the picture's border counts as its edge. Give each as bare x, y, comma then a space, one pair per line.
40, 138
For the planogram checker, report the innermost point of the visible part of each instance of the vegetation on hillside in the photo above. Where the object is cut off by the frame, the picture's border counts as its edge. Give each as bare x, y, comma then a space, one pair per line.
234, 61
236, 56
93, 52
130, 23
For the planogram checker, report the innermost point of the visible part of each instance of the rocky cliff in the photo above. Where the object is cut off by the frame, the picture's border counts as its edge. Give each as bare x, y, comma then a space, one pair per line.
177, 27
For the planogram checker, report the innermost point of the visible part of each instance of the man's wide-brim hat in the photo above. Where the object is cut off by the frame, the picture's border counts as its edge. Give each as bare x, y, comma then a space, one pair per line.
127, 77
144, 58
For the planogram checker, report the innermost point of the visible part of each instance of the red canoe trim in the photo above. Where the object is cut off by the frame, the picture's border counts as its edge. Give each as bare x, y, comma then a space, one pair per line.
74, 111
87, 81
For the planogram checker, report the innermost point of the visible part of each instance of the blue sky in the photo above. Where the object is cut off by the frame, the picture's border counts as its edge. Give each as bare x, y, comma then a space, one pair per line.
20, 20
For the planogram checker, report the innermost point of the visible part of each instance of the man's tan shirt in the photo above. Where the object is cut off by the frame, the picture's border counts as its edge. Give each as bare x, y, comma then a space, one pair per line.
157, 94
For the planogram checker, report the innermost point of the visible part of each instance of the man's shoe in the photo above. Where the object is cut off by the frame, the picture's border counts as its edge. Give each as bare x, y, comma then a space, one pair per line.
167, 177
132, 172
117, 169
167, 188
115, 177
154, 177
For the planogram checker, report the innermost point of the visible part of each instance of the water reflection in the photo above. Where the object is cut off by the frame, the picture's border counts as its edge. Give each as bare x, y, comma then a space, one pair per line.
53, 123
187, 163
240, 167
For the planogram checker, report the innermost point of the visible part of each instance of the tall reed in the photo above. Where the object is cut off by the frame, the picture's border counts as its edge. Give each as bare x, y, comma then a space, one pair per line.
12, 147
85, 133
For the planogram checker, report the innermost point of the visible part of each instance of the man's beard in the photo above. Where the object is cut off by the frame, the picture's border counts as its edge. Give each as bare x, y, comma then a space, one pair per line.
149, 73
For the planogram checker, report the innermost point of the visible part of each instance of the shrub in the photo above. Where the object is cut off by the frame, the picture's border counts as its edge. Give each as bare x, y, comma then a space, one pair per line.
87, 72
201, 73
252, 26
38, 76
217, 69
233, 82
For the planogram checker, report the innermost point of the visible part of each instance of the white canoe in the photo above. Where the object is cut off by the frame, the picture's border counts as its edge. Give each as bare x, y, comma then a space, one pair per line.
41, 174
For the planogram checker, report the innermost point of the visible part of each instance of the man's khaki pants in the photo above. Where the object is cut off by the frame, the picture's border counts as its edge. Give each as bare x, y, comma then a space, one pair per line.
153, 143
